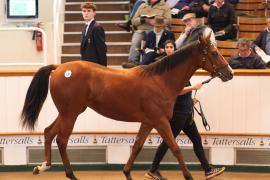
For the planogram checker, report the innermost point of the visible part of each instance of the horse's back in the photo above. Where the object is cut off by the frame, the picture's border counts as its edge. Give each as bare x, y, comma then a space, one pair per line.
77, 82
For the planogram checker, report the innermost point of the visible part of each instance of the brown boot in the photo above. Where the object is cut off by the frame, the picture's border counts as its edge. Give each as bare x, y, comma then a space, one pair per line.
129, 64
126, 26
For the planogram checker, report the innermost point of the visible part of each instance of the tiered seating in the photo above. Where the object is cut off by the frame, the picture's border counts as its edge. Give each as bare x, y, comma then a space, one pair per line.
251, 7
250, 27
227, 48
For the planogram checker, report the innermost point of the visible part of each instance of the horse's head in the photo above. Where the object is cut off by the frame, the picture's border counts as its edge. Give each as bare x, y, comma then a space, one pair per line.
212, 61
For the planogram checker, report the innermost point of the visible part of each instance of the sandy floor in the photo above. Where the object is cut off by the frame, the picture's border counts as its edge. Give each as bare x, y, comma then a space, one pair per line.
137, 175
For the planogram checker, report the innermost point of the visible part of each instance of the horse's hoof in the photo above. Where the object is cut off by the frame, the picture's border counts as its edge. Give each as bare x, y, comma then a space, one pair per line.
189, 178
35, 171
128, 176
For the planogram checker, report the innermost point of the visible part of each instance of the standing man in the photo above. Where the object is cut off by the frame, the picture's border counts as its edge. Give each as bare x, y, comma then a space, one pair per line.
93, 47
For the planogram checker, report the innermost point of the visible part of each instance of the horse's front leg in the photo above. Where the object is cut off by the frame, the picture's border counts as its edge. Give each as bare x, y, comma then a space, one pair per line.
164, 129
140, 139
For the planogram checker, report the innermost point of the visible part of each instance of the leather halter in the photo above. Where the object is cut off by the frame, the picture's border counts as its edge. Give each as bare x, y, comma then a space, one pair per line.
216, 71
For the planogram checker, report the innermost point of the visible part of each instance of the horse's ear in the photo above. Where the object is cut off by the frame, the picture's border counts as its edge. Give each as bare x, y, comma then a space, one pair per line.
201, 39
208, 36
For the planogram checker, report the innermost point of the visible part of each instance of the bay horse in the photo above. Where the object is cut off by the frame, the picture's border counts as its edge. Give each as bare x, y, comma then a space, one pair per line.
143, 94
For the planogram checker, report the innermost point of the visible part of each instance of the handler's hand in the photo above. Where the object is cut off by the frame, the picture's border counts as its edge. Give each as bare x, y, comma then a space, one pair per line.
197, 86
195, 100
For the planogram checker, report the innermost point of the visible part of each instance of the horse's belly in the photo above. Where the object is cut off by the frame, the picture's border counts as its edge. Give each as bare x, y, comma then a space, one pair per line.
116, 111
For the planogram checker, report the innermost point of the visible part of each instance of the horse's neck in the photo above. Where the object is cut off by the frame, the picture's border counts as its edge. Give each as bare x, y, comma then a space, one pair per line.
177, 78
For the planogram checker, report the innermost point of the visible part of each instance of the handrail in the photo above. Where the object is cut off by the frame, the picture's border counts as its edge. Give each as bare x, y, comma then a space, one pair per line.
56, 29
45, 46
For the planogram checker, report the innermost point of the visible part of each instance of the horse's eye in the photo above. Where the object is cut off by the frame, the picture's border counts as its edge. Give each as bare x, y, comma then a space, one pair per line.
215, 53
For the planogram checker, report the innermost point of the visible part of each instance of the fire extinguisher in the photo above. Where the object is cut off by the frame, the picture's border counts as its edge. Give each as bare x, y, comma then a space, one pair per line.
37, 35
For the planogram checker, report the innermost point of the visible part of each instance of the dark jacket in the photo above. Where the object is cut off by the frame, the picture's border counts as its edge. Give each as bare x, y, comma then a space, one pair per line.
253, 61
261, 40
93, 47
184, 103
222, 19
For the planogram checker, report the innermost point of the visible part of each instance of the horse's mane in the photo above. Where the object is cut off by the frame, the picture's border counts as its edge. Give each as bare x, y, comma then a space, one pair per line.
169, 62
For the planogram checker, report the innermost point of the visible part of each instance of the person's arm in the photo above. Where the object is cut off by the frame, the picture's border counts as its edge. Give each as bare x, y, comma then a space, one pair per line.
99, 40
258, 40
167, 15
209, 19
212, 37
259, 63
235, 64
148, 46
191, 88
230, 26
137, 20
179, 42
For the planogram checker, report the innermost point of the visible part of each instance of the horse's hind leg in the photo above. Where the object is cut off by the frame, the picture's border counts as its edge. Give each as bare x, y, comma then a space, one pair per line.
140, 139
66, 127
165, 132
49, 133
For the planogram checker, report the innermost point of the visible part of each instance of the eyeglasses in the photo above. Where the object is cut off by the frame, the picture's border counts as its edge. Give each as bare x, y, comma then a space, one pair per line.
187, 20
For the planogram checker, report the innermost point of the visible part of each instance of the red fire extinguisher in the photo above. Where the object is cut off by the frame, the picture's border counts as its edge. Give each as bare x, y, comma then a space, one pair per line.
37, 35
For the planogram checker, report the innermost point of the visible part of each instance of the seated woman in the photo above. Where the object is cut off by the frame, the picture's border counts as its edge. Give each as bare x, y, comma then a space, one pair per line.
245, 58
154, 46
221, 18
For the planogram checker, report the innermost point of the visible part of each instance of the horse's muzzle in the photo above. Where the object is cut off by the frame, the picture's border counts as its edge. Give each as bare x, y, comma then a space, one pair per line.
224, 73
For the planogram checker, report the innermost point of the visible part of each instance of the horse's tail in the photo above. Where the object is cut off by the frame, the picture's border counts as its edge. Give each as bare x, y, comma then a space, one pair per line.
35, 97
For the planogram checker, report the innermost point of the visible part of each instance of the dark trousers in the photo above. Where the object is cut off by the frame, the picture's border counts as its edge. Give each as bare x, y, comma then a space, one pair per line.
183, 122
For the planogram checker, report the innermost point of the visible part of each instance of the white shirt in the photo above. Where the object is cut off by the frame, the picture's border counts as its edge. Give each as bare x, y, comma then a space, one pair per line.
158, 36
88, 24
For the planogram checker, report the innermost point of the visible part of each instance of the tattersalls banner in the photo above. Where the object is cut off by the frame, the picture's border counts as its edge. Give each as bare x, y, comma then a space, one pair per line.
152, 140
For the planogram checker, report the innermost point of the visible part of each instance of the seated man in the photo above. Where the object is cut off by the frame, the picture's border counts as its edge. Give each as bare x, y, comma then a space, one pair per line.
192, 30
143, 21
262, 43
246, 59
221, 18
154, 46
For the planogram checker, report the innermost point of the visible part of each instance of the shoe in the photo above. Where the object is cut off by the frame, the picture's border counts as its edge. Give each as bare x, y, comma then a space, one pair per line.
214, 172
124, 26
155, 175
129, 64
